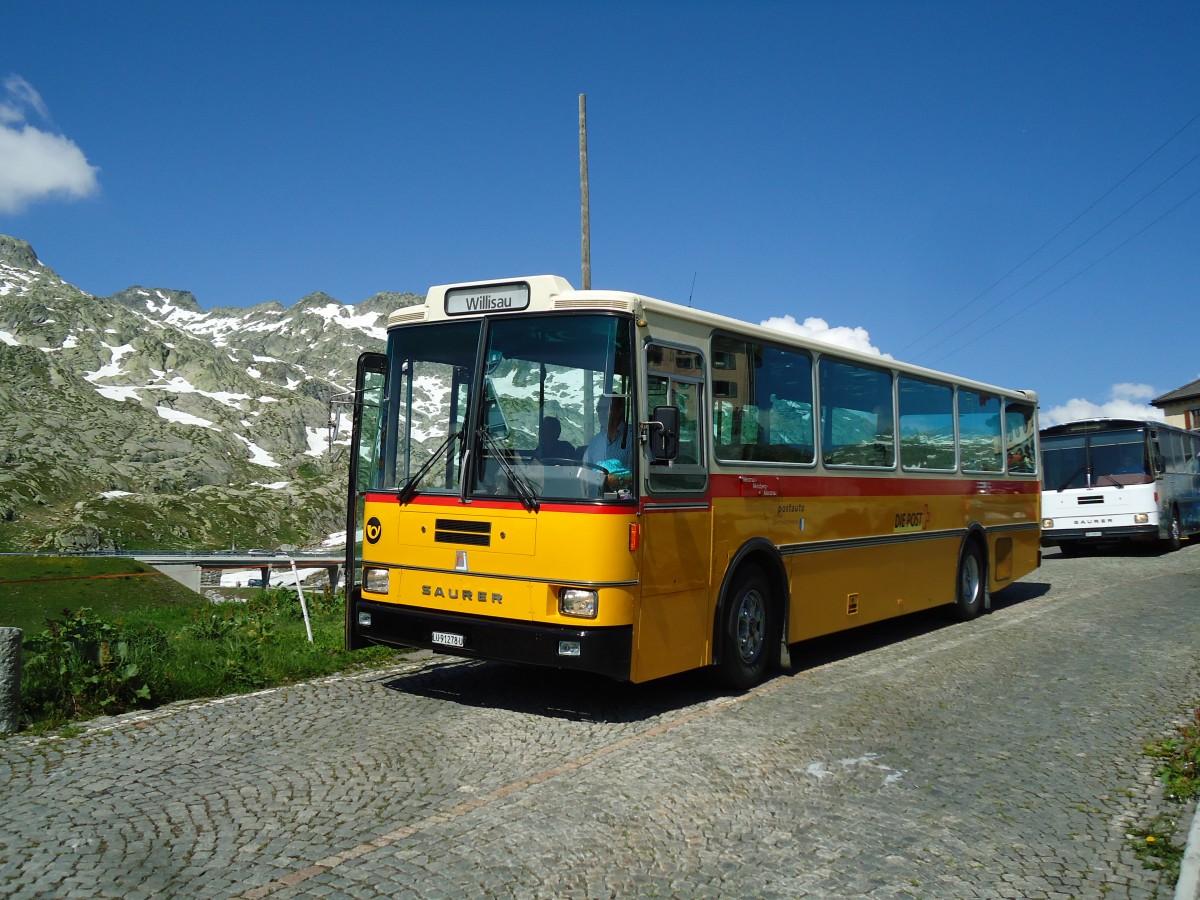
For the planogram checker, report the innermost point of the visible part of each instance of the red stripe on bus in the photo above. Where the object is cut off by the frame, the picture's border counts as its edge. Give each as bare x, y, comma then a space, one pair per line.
858, 486
423, 500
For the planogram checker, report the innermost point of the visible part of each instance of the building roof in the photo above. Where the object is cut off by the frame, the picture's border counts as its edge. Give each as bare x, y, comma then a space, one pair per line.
1189, 390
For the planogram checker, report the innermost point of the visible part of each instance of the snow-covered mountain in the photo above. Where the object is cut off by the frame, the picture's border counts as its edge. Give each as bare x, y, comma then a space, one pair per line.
141, 420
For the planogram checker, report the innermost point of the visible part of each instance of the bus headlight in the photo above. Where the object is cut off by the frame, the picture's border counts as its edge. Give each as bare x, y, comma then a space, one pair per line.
1141, 518
375, 580
1047, 523
578, 603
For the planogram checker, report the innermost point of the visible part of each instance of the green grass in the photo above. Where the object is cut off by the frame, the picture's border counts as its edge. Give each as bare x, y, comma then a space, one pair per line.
103, 645
39, 588
1178, 767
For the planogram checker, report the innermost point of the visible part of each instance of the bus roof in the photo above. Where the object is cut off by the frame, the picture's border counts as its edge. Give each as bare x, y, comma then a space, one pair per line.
553, 293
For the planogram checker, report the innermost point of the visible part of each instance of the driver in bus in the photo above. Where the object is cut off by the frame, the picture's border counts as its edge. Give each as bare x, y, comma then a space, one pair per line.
612, 448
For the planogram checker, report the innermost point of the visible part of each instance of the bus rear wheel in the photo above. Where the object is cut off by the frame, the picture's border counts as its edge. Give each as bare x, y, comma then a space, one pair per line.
747, 632
1174, 532
968, 603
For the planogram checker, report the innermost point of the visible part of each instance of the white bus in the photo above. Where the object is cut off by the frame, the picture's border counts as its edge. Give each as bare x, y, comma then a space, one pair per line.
1109, 480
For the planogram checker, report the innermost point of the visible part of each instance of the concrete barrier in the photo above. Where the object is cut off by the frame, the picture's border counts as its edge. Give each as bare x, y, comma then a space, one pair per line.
10, 679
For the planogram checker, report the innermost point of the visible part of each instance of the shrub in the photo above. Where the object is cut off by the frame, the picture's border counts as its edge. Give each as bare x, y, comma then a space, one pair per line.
84, 665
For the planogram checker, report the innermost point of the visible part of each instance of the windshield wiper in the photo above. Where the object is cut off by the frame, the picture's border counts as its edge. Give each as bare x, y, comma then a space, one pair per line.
410, 487
1113, 479
1067, 481
527, 494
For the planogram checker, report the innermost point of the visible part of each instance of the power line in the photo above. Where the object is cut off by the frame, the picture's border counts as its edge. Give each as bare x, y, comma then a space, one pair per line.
1047, 242
1086, 268
1073, 251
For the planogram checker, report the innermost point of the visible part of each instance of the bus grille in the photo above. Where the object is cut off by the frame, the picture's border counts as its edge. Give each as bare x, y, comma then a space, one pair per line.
1088, 501
458, 531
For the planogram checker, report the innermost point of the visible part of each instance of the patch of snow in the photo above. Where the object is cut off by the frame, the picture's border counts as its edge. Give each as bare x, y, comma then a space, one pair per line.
7, 338
258, 455
252, 372
120, 394
112, 495
273, 486
113, 367
181, 385
174, 415
336, 314
318, 441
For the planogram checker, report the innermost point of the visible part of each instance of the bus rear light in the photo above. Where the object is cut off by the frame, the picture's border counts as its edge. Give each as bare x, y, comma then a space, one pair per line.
578, 603
375, 580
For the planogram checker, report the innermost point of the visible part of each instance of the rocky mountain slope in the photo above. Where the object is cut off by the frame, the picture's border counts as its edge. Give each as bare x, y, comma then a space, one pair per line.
141, 420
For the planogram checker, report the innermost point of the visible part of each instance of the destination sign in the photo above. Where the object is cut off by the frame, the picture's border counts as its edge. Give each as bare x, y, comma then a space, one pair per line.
487, 298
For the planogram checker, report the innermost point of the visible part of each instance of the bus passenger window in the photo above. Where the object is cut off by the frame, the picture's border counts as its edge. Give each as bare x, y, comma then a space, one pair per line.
857, 427
979, 435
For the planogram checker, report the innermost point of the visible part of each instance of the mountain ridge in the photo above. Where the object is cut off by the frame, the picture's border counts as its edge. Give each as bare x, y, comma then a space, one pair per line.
142, 420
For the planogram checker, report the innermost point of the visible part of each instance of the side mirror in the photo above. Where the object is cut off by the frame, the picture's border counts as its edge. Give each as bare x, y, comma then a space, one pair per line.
664, 433
1159, 468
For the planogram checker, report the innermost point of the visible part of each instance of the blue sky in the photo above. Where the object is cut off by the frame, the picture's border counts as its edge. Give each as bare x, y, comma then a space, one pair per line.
1005, 190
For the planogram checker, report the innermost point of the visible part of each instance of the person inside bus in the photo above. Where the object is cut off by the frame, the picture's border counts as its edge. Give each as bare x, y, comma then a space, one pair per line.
550, 442
612, 448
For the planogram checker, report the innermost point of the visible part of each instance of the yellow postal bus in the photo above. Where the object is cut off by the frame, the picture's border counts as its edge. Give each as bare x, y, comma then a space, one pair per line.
601, 481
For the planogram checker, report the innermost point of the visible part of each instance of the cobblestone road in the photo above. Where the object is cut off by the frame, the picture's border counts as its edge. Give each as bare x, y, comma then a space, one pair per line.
995, 758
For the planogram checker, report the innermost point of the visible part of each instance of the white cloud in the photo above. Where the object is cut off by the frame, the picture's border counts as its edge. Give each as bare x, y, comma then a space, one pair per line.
856, 338
35, 164
1125, 401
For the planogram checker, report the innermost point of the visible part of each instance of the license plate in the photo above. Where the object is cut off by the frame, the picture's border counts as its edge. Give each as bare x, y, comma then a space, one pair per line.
447, 639
1093, 534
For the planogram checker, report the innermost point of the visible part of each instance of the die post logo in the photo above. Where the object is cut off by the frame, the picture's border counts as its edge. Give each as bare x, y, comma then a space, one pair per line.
374, 530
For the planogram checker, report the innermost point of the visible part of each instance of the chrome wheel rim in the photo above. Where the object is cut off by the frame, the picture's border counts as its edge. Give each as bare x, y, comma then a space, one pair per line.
751, 625
971, 580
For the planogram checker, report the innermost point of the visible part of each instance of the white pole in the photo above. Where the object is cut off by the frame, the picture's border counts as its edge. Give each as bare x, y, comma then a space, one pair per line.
303, 605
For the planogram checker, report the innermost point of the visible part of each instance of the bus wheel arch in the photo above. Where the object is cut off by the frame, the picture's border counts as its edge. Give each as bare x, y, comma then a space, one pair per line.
971, 596
750, 617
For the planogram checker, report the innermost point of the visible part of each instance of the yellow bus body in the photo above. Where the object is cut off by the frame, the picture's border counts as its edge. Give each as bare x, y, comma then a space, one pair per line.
850, 559
833, 546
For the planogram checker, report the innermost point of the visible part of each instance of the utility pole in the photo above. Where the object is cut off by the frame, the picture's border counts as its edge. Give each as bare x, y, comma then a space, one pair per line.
583, 189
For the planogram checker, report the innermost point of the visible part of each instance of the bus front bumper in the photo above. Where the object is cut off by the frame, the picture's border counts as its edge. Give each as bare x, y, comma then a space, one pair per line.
1099, 535
604, 651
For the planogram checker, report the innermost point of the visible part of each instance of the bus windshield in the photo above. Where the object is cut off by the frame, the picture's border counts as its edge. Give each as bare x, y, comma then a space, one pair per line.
526, 408
1115, 458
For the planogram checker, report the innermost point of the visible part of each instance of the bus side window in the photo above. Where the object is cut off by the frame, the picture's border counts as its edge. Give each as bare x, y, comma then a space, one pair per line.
675, 379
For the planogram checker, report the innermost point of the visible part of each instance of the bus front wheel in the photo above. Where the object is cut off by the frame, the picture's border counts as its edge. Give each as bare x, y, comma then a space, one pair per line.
968, 602
747, 631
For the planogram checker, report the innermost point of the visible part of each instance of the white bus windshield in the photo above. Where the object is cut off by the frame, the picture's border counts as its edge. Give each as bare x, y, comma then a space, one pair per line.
1114, 458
